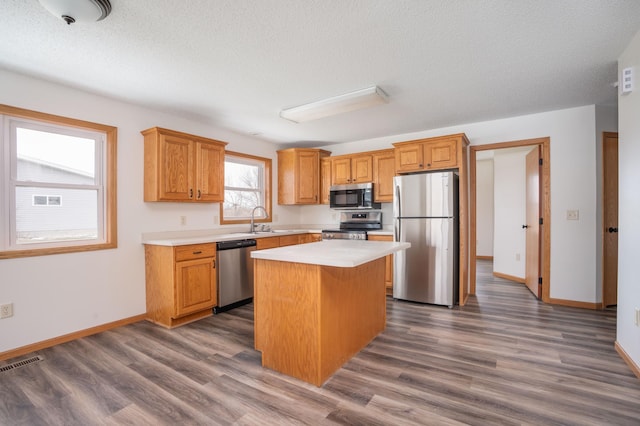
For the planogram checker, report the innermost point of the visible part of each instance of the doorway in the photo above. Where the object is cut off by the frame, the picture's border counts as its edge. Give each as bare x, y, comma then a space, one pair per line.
544, 209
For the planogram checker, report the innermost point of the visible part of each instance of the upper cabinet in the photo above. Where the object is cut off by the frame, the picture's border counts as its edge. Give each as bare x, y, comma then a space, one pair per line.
428, 154
325, 179
347, 169
299, 175
182, 167
383, 172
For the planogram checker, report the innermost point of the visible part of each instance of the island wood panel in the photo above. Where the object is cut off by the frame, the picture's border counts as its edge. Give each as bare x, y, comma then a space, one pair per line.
310, 319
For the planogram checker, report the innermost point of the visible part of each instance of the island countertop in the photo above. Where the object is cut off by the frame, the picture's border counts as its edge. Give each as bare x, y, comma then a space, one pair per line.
340, 253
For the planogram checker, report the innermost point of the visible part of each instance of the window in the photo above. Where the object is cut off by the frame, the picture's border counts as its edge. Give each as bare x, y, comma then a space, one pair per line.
247, 184
47, 159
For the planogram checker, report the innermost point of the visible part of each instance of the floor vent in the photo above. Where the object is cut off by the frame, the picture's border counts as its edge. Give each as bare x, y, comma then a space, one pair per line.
19, 364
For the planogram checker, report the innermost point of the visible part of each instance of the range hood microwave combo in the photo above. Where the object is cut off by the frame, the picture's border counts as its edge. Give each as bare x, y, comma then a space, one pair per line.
352, 196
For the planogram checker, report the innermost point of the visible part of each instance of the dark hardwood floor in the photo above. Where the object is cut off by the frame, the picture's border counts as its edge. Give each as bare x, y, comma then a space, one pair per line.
504, 358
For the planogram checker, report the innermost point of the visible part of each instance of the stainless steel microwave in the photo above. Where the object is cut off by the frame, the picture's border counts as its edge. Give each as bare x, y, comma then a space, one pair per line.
352, 196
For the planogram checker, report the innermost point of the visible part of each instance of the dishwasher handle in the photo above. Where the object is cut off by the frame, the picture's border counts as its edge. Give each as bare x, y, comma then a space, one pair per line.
236, 244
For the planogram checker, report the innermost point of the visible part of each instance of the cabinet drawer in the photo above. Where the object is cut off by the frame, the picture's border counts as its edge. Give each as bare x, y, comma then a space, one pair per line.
289, 240
267, 243
194, 251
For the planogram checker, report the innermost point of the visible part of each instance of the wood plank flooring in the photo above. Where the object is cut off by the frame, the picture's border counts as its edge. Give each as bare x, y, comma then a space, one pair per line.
505, 358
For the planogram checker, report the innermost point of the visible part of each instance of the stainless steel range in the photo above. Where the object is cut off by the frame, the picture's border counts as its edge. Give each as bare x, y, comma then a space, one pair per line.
354, 226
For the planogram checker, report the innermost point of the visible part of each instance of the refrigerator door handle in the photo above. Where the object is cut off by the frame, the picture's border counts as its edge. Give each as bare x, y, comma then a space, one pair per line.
398, 214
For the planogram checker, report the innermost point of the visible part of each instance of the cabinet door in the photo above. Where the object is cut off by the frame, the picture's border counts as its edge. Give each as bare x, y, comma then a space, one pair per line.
340, 171
195, 286
209, 172
361, 169
325, 180
409, 158
383, 173
388, 271
308, 183
174, 174
441, 155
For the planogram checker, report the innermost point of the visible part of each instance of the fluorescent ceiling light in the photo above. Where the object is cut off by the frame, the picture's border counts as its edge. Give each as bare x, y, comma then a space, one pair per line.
337, 105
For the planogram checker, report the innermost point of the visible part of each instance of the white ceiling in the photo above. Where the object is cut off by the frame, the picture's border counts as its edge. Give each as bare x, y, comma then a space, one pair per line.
237, 63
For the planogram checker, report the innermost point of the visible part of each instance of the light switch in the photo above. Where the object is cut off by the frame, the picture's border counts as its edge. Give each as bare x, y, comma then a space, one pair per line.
573, 214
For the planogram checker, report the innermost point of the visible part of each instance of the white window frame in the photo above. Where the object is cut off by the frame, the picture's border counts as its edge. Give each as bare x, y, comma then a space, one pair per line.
264, 187
104, 182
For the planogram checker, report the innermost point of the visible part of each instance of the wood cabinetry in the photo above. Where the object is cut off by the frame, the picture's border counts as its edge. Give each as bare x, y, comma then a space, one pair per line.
299, 175
383, 173
182, 167
284, 240
347, 169
325, 179
180, 283
427, 154
388, 269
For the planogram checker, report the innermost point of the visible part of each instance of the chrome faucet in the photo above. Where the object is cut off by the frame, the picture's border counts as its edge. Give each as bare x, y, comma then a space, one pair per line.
266, 215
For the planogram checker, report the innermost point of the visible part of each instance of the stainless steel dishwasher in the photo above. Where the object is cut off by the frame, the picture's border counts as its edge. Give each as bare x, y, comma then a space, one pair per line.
235, 274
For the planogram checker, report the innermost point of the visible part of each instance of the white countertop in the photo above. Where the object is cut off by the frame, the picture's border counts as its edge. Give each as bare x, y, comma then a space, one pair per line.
176, 239
341, 253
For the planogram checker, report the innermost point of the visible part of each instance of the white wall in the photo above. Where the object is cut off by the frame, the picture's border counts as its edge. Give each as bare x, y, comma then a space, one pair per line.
484, 207
573, 185
60, 294
628, 335
509, 252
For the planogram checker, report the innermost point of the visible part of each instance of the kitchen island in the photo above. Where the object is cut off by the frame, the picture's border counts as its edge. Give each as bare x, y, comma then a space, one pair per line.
318, 304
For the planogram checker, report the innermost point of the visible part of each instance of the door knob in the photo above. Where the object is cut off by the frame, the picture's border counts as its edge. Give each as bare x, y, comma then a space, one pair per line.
525, 226
611, 229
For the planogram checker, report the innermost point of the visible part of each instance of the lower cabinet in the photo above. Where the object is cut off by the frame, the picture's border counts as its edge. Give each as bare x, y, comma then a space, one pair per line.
180, 283
388, 270
286, 240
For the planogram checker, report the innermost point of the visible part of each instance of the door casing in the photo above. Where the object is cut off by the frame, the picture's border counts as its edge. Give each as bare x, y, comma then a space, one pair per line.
545, 208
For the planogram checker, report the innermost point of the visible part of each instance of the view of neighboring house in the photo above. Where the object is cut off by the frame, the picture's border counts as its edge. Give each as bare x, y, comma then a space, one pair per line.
42, 213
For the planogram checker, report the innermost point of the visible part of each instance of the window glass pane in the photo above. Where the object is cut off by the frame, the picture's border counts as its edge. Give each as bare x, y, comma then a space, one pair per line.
239, 204
69, 214
238, 175
54, 158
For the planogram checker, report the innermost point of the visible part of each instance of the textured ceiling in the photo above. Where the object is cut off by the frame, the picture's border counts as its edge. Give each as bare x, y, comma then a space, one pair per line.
237, 63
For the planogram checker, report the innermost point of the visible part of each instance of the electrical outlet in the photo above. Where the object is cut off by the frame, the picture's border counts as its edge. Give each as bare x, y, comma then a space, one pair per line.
183, 220
6, 310
573, 214
216, 220
638, 317
517, 257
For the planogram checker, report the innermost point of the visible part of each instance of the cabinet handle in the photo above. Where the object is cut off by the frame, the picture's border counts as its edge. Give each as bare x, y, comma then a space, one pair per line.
191, 193
420, 165
214, 264
199, 194
197, 252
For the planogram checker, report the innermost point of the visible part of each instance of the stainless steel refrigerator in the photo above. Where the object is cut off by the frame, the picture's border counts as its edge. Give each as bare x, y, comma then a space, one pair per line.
425, 210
